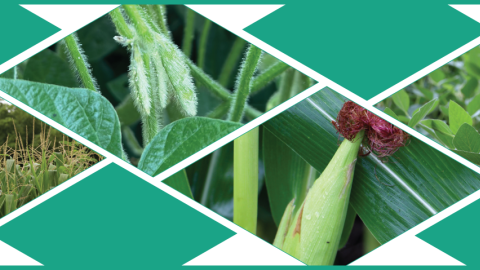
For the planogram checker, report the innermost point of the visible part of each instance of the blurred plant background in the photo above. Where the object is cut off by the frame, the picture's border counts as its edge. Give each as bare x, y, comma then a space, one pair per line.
444, 105
34, 158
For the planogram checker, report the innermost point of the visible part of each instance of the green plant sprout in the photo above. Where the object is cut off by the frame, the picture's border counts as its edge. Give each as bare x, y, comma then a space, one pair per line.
30, 169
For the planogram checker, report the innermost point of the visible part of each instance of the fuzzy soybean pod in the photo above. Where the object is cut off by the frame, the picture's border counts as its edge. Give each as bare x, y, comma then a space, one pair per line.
177, 74
139, 83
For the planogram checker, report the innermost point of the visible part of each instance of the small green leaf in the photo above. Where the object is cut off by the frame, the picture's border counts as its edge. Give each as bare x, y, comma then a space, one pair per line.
445, 139
391, 113
467, 139
469, 88
438, 125
402, 100
181, 139
422, 112
474, 105
403, 119
457, 116
472, 157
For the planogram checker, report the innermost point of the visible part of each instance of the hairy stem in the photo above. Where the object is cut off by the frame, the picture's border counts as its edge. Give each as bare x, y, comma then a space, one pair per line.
120, 23
231, 61
188, 34
215, 88
79, 62
202, 47
139, 21
267, 76
249, 66
245, 181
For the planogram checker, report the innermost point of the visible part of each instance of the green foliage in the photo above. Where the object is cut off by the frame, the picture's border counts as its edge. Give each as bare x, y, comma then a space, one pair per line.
28, 169
16, 124
440, 104
401, 187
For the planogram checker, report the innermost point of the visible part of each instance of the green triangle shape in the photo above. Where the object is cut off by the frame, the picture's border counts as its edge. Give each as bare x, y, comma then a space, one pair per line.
21, 30
113, 220
457, 235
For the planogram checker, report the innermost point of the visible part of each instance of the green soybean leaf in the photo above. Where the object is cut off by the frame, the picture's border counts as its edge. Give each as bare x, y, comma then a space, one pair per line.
467, 139
422, 112
446, 139
425, 181
474, 105
402, 100
47, 67
457, 116
83, 111
472, 157
438, 125
469, 88
286, 175
390, 112
181, 139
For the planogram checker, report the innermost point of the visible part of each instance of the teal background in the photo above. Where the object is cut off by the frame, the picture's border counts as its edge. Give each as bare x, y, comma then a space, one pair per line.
366, 46
87, 226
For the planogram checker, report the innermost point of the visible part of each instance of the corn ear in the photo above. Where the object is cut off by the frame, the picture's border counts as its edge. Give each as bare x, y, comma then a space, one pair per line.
315, 233
283, 226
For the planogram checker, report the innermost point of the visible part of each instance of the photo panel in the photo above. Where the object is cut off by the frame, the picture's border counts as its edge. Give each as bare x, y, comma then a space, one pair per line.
327, 181
35, 158
154, 92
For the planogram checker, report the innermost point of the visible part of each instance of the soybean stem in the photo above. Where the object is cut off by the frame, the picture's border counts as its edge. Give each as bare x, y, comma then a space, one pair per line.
243, 83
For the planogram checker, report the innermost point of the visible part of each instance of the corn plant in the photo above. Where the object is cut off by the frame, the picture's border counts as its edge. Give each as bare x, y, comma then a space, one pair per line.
28, 171
167, 105
445, 105
314, 177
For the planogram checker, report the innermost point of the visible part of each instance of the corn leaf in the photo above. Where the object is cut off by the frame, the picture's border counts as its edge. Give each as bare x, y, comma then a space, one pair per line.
390, 197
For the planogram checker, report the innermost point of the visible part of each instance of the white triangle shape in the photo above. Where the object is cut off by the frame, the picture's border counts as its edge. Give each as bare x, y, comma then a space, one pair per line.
12, 257
234, 17
244, 249
472, 11
69, 17
407, 250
